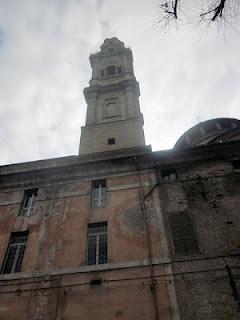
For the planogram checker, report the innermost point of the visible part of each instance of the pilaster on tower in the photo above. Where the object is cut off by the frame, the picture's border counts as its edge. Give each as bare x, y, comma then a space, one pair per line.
114, 120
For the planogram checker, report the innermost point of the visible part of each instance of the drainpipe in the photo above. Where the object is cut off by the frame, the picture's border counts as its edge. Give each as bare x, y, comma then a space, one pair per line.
233, 286
148, 237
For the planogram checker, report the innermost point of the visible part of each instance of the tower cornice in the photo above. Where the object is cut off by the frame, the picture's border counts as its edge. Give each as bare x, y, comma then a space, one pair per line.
125, 84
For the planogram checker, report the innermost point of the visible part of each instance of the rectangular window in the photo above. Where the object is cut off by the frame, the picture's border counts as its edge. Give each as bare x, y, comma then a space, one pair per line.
99, 193
236, 165
28, 203
182, 232
111, 141
97, 243
14, 256
169, 175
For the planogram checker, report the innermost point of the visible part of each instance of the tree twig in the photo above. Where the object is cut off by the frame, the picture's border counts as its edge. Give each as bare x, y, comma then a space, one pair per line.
218, 10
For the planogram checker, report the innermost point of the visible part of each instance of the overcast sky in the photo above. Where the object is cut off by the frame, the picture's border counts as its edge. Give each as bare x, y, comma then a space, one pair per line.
185, 76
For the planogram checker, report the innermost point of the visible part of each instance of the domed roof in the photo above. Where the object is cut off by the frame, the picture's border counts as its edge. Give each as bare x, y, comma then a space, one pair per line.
210, 132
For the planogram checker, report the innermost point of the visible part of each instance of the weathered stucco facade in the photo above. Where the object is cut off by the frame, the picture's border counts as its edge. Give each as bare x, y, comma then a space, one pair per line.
170, 227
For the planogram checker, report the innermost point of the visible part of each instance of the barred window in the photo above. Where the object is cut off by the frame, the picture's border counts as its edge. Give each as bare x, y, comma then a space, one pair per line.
182, 232
97, 243
28, 203
14, 255
99, 193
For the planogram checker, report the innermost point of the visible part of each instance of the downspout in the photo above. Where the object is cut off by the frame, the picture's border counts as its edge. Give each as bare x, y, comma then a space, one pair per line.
148, 237
233, 286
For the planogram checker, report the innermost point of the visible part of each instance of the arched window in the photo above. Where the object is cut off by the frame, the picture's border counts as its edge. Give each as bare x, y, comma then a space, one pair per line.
111, 109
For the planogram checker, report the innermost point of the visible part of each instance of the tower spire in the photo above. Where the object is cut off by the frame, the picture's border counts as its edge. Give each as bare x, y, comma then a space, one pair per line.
114, 120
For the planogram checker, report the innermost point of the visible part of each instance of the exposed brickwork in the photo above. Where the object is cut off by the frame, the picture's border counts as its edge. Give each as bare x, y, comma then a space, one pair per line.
209, 192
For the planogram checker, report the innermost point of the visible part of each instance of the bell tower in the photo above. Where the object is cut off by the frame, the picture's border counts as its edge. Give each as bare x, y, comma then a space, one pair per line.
114, 120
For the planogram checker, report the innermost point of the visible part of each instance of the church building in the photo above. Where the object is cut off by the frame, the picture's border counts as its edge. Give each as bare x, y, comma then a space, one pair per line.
119, 231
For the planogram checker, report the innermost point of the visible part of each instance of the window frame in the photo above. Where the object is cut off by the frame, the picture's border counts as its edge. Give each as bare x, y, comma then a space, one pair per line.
99, 193
100, 245
28, 202
13, 259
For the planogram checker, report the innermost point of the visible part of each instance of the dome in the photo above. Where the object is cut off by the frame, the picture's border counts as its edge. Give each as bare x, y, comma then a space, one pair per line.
211, 131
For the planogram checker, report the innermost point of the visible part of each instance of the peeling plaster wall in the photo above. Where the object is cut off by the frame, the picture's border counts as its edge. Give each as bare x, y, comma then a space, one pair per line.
55, 282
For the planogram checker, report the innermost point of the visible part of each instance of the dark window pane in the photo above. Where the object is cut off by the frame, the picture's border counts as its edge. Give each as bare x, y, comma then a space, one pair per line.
97, 227
9, 260
92, 247
182, 233
187, 230
19, 258
102, 258
111, 141
97, 183
19, 237
184, 218
174, 219
236, 165
169, 174
191, 245
179, 246
111, 70
178, 232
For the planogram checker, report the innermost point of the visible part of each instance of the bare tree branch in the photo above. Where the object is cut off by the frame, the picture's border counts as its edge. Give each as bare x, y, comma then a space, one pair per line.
175, 8
218, 10
192, 12
174, 11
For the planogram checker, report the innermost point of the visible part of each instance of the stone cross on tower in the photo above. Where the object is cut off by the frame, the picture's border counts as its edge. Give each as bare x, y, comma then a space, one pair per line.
113, 120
